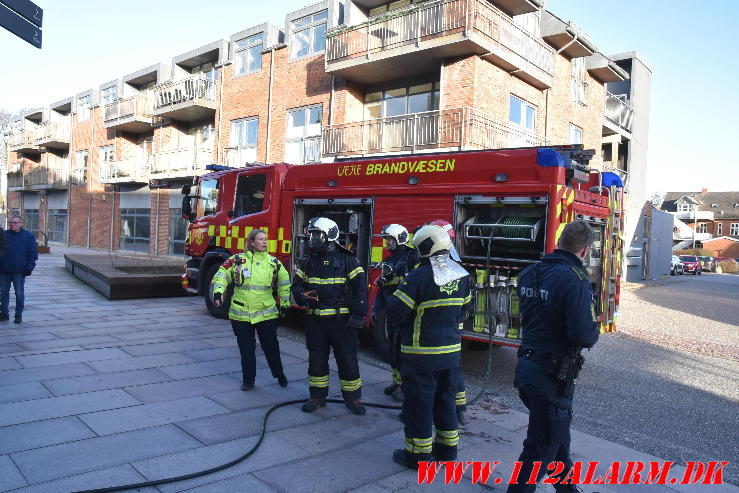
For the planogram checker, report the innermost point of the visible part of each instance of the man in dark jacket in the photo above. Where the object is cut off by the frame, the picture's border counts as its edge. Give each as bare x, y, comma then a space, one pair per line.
429, 305
332, 285
17, 263
558, 320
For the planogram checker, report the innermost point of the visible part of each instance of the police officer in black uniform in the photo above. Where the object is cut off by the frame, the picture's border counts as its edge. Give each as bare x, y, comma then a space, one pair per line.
333, 287
429, 306
396, 266
558, 320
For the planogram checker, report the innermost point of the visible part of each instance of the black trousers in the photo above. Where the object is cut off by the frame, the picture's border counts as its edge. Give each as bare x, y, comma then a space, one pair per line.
267, 332
323, 334
428, 402
547, 438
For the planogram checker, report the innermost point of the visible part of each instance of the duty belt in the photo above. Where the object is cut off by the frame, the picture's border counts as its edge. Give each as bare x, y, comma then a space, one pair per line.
531, 355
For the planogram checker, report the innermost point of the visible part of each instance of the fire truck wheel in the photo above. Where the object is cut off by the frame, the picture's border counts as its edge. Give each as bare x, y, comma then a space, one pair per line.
380, 337
217, 311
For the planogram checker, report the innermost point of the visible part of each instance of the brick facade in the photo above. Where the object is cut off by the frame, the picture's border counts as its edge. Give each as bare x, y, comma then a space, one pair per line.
468, 82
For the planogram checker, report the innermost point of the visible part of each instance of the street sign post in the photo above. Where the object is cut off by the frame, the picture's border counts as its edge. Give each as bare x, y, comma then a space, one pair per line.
22, 18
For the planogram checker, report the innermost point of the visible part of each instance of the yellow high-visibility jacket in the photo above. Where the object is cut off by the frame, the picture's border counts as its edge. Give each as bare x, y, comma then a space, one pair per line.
252, 274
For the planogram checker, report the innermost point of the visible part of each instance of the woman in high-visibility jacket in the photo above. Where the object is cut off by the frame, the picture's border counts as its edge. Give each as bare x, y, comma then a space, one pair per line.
257, 279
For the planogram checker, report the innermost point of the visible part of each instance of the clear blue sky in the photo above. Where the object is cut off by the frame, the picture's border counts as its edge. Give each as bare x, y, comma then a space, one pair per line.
688, 45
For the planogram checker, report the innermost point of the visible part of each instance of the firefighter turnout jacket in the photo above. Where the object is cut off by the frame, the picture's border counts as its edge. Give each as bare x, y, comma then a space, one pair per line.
403, 260
430, 317
256, 276
338, 280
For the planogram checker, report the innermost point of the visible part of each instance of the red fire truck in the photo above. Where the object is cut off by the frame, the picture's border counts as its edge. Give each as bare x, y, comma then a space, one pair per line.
508, 208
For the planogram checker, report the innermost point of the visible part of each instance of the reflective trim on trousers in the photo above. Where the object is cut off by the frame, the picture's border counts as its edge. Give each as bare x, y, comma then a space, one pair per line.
396, 376
447, 437
328, 312
317, 381
418, 445
252, 315
351, 385
431, 349
461, 398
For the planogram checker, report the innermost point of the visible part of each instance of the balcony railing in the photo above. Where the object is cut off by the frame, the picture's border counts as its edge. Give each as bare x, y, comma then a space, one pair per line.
619, 111
54, 175
21, 140
193, 89
453, 128
51, 132
15, 179
132, 169
181, 161
440, 18
134, 106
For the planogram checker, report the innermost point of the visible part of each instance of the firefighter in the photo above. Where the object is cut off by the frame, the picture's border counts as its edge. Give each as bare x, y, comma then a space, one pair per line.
396, 266
333, 287
461, 395
558, 320
257, 278
429, 305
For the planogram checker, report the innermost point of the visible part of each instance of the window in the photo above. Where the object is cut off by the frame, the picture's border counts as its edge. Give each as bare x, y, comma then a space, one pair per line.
207, 70
177, 231
110, 95
522, 113
719, 229
83, 108
208, 201
308, 35
106, 154
578, 86
79, 174
30, 221
734, 229
57, 225
575, 134
250, 194
683, 207
135, 230
387, 7
406, 100
248, 54
702, 228
244, 140
303, 136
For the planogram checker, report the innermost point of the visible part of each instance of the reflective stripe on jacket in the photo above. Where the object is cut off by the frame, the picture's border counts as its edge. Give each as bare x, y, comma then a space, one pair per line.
253, 300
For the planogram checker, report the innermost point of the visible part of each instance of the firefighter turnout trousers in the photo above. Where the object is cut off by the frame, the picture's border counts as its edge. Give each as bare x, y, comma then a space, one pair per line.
430, 402
323, 334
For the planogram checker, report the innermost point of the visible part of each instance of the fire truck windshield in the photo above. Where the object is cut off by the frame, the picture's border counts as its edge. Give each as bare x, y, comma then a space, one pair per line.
207, 198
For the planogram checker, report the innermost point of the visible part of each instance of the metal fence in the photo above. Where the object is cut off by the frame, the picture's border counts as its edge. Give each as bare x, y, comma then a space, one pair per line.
133, 168
139, 105
49, 131
181, 160
193, 89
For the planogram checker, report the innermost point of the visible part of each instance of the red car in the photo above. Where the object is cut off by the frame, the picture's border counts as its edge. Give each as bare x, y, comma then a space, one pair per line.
691, 264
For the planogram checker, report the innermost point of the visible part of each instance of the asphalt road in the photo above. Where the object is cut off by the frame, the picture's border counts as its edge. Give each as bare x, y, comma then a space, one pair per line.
679, 402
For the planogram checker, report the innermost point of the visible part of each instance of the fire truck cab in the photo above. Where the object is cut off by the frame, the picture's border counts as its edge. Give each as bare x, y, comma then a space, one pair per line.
507, 207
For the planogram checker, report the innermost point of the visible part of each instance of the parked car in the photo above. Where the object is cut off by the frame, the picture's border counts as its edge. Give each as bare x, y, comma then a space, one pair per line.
725, 259
708, 263
691, 264
676, 267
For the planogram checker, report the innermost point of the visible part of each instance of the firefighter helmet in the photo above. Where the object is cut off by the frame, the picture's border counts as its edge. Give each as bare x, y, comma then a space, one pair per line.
396, 231
445, 225
430, 240
326, 226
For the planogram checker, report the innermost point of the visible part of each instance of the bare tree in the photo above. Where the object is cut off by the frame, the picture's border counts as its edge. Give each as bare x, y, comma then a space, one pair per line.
657, 198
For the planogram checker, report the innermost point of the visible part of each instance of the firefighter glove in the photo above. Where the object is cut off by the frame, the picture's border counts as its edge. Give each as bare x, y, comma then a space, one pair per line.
26, 273
217, 299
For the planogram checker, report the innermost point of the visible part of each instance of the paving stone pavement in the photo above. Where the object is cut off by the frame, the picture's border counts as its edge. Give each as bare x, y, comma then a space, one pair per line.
96, 393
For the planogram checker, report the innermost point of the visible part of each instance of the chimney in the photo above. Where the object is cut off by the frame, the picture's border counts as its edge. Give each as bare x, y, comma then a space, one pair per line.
704, 190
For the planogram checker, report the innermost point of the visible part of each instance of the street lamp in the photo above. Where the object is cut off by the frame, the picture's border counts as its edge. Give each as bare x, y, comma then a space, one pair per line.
695, 223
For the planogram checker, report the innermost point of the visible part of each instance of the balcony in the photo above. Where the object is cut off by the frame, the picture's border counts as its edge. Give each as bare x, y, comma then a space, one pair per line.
181, 162
619, 115
414, 39
187, 100
52, 135
49, 178
15, 181
461, 128
133, 114
23, 142
689, 216
132, 170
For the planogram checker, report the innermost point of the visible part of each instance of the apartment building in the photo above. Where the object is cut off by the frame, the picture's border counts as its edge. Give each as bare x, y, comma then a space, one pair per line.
339, 80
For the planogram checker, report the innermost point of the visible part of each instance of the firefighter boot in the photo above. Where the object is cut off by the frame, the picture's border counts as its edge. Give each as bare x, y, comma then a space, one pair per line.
392, 388
405, 458
356, 407
461, 420
397, 395
312, 404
